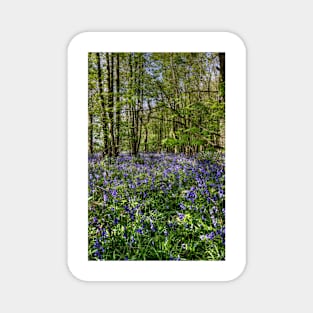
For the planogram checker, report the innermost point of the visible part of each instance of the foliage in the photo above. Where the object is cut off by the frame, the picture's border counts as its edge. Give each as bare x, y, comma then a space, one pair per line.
156, 156
157, 207
170, 102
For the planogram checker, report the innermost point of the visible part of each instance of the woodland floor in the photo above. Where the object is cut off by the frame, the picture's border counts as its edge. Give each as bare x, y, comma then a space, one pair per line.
156, 207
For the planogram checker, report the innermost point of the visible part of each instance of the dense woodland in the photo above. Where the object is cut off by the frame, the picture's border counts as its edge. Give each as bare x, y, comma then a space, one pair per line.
156, 102
156, 146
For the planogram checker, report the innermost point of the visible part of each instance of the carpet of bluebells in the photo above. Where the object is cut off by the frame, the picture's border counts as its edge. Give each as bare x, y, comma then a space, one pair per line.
156, 207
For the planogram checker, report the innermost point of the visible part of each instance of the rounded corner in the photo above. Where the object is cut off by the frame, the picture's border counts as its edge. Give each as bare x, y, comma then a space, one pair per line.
76, 276
238, 39
238, 274
76, 38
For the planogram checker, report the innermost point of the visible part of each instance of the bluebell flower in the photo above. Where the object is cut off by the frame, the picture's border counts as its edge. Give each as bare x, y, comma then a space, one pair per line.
220, 232
182, 206
191, 195
97, 244
97, 254
211, 235
139, 231
181, 216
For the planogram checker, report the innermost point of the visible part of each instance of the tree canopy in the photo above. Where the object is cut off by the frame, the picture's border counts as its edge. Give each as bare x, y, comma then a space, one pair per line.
156, 102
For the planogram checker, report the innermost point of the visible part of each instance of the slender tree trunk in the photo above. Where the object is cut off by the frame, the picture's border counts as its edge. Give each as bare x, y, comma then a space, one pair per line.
221, 141
104, 118
118, 104
132, 109
110, 102
146, 139
221, 57
90, 141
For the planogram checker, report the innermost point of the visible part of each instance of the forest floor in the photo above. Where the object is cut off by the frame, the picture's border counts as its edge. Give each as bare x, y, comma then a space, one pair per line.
156, 207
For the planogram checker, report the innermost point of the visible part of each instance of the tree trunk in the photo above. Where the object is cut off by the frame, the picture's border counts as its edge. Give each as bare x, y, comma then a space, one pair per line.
104, 118
110, 102
90, 141
221, 57
118, 105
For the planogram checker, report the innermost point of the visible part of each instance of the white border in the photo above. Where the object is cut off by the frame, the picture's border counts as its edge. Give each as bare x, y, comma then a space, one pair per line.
235, 69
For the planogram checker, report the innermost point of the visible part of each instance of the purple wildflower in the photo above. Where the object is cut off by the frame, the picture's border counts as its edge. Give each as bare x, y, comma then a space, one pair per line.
181, 216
